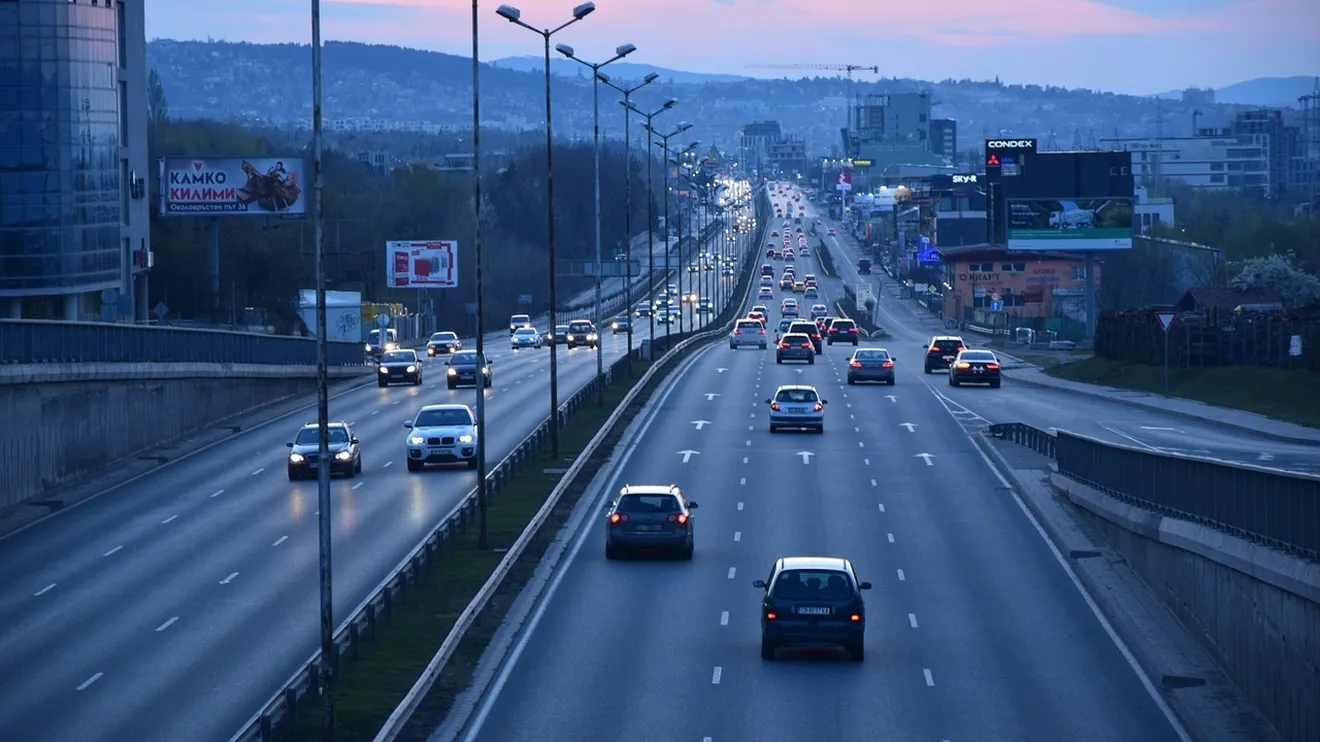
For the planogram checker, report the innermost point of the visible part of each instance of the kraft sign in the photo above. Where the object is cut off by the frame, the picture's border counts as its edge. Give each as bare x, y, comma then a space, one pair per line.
1028, 145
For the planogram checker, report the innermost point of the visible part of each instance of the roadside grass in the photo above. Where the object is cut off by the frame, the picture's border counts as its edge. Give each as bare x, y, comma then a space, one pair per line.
1050, 359
846, 308
1279, 393
370, 686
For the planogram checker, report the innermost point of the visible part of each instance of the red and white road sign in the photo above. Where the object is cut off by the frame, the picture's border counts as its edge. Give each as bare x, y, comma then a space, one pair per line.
843, 181
1166, 319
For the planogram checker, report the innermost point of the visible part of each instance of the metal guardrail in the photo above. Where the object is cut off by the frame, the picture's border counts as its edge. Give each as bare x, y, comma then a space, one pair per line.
1277, 508
364, 620
42, 341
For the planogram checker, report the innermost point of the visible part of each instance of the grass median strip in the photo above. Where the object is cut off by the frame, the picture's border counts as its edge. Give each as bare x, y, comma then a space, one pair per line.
371, 686
826, 261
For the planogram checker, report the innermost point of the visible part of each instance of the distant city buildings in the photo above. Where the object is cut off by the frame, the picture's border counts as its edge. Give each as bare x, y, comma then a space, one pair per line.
754, 145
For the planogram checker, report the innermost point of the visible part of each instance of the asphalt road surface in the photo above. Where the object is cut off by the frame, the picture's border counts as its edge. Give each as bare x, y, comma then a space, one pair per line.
1057, 409
975, 632
172, 608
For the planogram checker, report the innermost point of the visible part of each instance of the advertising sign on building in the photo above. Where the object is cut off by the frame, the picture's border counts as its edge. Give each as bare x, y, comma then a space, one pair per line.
421, 264
1075, 225
843, 181
232, 186
1010, 145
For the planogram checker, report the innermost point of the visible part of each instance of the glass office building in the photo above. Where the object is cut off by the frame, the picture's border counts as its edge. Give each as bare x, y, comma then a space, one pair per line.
66, 200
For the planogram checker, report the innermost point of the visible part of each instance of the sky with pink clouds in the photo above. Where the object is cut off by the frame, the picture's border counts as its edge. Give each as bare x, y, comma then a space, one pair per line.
1126, 46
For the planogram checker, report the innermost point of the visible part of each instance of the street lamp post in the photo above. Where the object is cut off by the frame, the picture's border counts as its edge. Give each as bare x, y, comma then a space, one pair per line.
514, 16
664, 142
479, 249
627, 195
677, 162
650, 204
619, 53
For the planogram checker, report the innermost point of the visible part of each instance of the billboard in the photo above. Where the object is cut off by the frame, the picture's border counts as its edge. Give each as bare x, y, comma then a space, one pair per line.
421, 264
1075, 225
232, 186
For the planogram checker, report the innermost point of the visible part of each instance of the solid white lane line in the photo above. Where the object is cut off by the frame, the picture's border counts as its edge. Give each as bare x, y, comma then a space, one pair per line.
88, 682
388, 463
873, 484
740, 506
724, 618
891, 537
359, 484
901, 577
930, 679
912, 619
882, 507
44, 590
280, 540
167, 624
715, 676
732, 571
255, 473
229, 579
737, 535
168, 520
108, 553
217, 493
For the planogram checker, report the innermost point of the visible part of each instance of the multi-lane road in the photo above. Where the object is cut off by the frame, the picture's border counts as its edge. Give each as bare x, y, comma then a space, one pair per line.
172, 607
975, 630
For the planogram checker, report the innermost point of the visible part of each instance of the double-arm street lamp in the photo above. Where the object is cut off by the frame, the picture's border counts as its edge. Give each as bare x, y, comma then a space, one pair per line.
619, 53
627, 194
664, 142
650, 199
514, 16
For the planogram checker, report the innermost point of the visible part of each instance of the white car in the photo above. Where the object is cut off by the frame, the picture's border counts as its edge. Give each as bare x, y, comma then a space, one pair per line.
442, 434
525, 337
819, 310
747, 332
765, 292
788, 308
797, 406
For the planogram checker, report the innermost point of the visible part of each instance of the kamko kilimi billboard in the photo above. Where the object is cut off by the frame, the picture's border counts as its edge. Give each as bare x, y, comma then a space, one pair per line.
233, 186
1075, 225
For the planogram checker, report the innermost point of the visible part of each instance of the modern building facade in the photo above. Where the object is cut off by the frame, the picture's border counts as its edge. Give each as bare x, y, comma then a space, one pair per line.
1215, 159
74, 219
944, 138
754, 146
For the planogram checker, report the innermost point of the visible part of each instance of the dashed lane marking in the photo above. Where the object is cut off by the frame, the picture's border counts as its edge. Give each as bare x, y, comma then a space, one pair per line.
740, 506
732, 571
255, 473
217, 493
44, 590
387, 463
742, 480
737, 535
355, 486
882, 507
912, 620
901, 576
724, 621
874, 483
169, 519
715, 676
744, 459
930, 679
229, 579
88, 682
167, 624
280, 540
891, 537
866, 461
112, 551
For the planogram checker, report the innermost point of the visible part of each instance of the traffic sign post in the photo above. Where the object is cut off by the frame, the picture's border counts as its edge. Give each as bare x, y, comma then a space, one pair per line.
1166, 321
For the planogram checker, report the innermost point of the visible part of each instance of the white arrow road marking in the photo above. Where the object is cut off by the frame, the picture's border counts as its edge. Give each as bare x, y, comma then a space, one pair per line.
1265, 457
912, 428
1157, 427
891, 397
806, 456
687, 455
927, 457
711, 395
700, 423
229, 579
720, 370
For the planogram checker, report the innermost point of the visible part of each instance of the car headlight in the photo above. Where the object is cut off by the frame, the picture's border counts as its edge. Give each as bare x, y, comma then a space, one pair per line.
453, 371
412, 369
296, 458
465, 439
384, 370
416, 440
485, 370
344, 455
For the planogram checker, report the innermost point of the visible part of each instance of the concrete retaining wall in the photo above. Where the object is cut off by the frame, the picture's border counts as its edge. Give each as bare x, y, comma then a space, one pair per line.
1256, 610
95, 415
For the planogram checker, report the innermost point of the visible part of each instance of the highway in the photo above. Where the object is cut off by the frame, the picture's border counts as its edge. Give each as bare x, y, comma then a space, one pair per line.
975, 633
173, 607
1051, 409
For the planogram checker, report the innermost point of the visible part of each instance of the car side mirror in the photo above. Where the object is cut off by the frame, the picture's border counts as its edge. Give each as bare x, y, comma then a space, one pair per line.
408, 424
824, 401
692, 505
758, 583
446, 363
354, 441
864, 586
489, 362
290, 444
924, 347
767, 400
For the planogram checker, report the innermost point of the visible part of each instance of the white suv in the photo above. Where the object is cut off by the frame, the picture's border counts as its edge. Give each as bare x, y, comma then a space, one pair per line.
442, 434
747, 332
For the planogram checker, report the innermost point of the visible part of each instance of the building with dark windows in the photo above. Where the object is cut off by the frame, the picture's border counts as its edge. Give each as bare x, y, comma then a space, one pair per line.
74, 232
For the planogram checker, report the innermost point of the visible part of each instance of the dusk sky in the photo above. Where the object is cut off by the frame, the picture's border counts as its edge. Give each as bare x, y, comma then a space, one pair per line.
1126, 46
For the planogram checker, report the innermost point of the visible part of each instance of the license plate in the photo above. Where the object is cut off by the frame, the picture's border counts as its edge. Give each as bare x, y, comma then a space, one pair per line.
948, 358
978, 370
648, 528
312, 464
805, 611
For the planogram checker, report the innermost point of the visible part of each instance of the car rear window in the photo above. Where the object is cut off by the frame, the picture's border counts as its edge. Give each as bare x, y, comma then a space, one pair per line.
806, 328
842, 324
796, 395
467, 357
813, 584
947, 342
749, 324
444, 337
871, 355
977, 355
648, 504
796, 337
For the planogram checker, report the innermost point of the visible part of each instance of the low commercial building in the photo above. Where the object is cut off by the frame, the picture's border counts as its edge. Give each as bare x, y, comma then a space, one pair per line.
984, 280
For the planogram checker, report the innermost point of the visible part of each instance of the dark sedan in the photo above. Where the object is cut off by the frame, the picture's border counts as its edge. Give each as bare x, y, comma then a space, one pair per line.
443, 343
649, 518
871, 364
795, 347
581, 333
399, 367
463, 369
304, 452
557, 336
975, 367
813, 602
621, 324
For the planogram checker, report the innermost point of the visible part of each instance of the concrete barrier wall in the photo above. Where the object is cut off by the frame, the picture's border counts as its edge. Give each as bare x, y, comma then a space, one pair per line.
56, 432
1256, 610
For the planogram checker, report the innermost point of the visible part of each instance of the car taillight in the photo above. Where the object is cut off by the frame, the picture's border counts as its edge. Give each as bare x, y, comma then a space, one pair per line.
992, 366
618, 517
964, 364
852, 330
961, 348
934, 349
818, 407
855, 617
770, 616
783, 345
760, 332
887, 364
815, 336
737, 332
855, 364
774, 406
806, 345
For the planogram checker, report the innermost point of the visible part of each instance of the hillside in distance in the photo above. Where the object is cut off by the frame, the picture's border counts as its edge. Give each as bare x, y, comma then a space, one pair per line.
1266, 92
629, 71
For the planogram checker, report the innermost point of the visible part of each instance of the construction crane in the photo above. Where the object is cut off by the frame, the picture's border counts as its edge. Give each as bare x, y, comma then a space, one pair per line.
847, 69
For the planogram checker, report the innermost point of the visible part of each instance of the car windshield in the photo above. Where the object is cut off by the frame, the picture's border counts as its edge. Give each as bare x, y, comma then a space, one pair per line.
468, 358
977, 355
519, 319
579, 327
871, 355
309, 436
796, 395
399, 356
812, 584
784, 324
444, 337
442, 418
648, 504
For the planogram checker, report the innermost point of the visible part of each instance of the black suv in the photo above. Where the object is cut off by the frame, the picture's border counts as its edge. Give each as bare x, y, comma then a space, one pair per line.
304, 451
813, 602
941, 350
581, 332
808, 328
842, 331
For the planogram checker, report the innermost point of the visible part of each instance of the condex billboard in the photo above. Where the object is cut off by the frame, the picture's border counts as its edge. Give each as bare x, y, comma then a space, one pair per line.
421, 264
1076, 225
232, 186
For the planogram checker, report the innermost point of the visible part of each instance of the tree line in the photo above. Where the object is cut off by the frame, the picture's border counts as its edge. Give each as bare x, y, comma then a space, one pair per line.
264, 262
